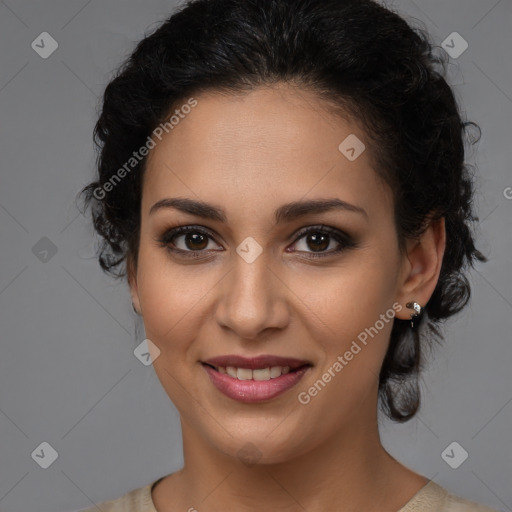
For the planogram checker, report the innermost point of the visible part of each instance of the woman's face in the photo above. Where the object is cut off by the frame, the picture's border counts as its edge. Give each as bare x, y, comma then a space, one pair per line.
250, 286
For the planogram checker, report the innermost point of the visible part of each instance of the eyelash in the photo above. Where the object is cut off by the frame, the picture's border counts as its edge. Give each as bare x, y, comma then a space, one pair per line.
344, 240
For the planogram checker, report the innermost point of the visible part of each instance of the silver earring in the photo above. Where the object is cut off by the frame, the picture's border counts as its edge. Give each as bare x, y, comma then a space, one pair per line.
418, 311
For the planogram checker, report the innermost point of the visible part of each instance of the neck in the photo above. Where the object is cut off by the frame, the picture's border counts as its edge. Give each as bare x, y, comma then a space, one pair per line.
349, 471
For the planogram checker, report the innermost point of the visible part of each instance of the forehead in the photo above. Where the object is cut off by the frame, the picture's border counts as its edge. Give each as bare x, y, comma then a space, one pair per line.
272, 144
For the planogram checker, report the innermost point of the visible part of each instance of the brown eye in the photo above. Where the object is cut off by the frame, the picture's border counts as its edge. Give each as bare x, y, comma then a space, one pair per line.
191, 241
319, 242
319, 238
195, 241
186, 240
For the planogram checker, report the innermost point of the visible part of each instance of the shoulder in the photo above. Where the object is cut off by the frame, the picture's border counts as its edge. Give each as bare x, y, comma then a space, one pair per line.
435, 498
137, 500
457, 504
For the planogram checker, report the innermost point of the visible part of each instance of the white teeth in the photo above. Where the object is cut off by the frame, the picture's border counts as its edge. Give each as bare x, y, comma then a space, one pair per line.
263, 374
275, 371
243, 374
257, 374
231, 371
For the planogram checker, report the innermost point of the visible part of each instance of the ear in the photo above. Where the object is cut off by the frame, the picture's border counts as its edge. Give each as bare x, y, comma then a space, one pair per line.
421, 267
131, 271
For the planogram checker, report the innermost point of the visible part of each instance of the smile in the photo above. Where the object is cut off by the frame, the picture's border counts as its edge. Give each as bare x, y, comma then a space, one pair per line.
255, 379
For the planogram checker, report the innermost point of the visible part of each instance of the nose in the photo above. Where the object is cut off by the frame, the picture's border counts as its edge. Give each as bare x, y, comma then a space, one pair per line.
252, 299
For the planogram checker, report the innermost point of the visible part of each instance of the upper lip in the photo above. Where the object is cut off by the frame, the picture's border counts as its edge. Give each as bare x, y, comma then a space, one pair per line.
252, 363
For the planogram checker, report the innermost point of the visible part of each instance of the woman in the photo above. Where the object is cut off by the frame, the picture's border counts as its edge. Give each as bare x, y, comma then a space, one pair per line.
283, 185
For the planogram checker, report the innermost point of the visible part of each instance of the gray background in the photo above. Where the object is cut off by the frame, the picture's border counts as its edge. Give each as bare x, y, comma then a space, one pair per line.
68, 375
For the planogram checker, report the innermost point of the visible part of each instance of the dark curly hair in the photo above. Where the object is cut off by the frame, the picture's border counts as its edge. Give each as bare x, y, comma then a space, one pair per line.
366, 62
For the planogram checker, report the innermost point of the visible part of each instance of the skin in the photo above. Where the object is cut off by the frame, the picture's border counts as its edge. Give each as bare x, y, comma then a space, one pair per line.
249, 154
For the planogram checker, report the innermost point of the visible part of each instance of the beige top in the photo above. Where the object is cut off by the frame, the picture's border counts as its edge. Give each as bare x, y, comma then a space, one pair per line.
430, 498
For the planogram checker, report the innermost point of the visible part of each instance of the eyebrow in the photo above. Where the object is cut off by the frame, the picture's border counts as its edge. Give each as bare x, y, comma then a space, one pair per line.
286, 212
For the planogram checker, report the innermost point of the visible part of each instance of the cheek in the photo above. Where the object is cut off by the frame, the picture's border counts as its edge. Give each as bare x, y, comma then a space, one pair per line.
172, 298
352, 318
162, 295
349, 298
169, 301
353, 337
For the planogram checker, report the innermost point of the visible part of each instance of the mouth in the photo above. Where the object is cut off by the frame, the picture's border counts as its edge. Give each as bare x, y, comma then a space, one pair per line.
254, 379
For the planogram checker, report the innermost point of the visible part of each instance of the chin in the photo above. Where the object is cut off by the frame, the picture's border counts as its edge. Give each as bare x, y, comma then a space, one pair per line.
260, 444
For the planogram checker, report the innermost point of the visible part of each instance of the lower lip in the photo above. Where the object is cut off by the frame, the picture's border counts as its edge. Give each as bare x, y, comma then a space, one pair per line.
250, 391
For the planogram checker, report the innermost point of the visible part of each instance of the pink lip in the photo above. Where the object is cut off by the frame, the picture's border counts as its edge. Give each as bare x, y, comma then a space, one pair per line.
251, 391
